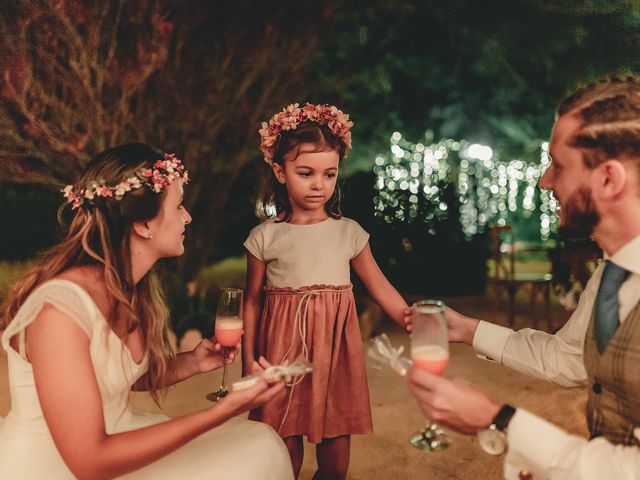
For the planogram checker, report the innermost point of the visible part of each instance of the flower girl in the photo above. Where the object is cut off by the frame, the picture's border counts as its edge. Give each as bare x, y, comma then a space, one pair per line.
299, 296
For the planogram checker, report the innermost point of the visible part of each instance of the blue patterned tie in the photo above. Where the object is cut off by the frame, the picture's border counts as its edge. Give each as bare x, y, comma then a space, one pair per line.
607, 315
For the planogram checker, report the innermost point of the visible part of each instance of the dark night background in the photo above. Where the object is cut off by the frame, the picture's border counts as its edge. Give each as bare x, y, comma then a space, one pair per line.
198, 77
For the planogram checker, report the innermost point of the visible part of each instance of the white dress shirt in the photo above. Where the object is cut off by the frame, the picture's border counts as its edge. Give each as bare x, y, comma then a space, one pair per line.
533, 443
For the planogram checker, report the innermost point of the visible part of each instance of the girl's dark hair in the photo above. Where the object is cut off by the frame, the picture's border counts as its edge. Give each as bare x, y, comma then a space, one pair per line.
273, 194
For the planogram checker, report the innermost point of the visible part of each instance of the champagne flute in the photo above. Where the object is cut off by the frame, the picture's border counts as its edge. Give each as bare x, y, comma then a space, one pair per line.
430, 352
228, 331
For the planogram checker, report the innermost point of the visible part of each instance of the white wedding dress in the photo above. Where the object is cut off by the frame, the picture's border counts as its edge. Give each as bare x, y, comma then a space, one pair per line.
238, 449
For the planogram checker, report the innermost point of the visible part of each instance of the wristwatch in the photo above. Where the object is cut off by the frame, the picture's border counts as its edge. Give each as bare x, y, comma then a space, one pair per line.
493, 439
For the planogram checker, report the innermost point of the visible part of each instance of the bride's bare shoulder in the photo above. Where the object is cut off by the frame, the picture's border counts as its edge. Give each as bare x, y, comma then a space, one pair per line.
89, 278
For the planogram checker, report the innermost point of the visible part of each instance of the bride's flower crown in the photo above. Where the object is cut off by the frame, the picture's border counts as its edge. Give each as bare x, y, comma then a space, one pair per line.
155, 178
292, 116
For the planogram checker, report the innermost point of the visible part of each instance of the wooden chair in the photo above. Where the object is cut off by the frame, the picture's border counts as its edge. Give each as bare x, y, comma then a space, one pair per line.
505, 278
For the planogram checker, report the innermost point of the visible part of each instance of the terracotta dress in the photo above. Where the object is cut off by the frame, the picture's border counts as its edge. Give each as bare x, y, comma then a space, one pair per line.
309, 310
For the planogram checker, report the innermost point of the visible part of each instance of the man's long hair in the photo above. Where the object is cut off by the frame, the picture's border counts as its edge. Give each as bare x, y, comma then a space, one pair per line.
609, 111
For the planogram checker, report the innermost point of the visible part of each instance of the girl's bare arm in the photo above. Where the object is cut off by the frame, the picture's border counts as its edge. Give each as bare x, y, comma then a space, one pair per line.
256, 270
379, 287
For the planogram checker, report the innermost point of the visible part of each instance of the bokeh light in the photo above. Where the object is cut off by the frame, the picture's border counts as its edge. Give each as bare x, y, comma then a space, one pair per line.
411, 179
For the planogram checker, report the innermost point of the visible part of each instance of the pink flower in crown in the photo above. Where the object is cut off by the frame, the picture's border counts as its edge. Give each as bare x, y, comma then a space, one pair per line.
157, 178
71, 197
104, 192
147, 173
312, 112
292, 115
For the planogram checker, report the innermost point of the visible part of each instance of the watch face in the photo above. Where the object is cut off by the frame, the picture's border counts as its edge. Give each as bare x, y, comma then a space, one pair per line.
492, 441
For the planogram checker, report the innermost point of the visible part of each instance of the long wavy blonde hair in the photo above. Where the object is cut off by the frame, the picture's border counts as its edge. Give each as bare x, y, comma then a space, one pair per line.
99, 235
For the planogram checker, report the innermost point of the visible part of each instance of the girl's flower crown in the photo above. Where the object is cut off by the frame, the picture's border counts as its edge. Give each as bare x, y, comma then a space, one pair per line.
292, 116
156, 178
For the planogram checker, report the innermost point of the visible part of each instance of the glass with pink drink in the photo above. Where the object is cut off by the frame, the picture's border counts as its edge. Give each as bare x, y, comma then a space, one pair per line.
430, 352
227, 330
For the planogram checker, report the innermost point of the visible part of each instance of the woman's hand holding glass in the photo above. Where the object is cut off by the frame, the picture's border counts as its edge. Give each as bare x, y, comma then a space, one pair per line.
228, 331
210, 355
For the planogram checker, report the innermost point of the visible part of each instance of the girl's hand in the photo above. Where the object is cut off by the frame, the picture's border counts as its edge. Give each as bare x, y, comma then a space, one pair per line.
251, 366
209, 356
408, 319
255, 396
460, 327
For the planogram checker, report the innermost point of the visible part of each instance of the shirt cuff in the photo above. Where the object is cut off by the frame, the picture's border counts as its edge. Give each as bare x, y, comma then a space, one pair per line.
532, 444
490, 340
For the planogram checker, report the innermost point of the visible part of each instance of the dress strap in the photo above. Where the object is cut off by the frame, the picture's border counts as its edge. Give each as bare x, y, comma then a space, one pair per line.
66, 296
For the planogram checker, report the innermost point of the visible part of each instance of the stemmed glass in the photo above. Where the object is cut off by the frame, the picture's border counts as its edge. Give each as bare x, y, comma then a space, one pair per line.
430, 352
228, 331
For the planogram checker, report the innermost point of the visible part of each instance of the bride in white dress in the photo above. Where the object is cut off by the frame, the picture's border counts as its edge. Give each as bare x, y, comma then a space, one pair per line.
88, 323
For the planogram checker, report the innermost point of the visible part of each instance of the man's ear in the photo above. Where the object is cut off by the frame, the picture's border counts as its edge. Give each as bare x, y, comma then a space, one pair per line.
143, 230
278, 171
612, 178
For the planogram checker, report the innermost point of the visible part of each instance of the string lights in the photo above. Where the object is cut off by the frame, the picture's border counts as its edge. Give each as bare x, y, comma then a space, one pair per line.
412, 179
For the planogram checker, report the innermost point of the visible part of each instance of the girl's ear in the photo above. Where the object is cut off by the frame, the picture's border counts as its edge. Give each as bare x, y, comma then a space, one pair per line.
278, 171
143, 230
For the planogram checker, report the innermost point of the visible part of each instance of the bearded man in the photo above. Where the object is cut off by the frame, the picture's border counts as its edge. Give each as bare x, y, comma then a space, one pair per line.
595, 176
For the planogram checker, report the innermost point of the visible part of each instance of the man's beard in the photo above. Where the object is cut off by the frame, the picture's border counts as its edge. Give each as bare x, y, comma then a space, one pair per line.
579, 216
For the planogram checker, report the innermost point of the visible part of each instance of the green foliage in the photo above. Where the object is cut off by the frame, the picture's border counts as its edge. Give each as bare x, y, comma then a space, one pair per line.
230, 272
489, 72
9, 272
197, 78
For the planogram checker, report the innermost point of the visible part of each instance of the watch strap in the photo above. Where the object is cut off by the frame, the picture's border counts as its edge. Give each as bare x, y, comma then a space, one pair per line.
502, 419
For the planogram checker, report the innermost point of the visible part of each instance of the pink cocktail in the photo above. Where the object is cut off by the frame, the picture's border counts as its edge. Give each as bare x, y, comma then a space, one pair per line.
228, 331
431, 358
429, 352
